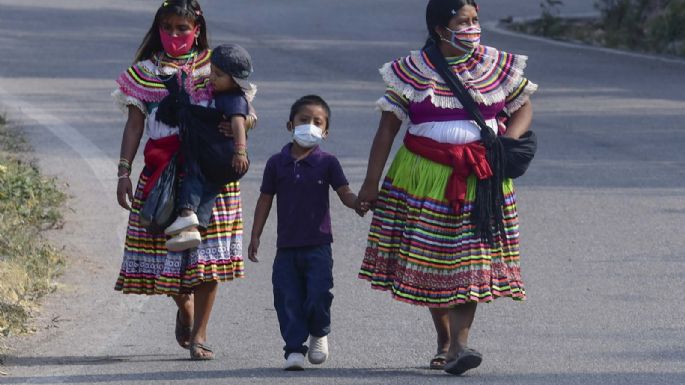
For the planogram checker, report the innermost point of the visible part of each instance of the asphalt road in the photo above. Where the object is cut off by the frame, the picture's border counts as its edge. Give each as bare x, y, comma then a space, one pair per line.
602, 208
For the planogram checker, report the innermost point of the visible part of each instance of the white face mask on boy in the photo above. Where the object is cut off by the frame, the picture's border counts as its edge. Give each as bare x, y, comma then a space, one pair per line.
308, 135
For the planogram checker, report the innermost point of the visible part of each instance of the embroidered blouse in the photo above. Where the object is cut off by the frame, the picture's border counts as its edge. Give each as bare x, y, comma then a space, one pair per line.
141, 85
418, 95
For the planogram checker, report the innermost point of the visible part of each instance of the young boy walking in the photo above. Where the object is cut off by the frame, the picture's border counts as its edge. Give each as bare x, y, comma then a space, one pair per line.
300, 176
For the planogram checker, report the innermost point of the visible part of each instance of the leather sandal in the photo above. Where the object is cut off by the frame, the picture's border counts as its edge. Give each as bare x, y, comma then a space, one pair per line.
206, 355
466, 360
438, 361
182, 332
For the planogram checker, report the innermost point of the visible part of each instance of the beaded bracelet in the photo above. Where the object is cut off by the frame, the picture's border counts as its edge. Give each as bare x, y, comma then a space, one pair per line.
241, 153
125, 164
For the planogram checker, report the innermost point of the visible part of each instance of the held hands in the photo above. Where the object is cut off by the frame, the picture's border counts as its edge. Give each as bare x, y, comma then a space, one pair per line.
361, 208
252, 249
366, 199
240, 163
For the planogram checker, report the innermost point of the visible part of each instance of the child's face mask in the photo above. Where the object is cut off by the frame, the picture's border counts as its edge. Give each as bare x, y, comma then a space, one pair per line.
177, 45
465, 39
308, 135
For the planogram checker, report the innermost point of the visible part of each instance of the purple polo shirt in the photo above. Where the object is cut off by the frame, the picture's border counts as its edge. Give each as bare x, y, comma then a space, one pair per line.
301, 189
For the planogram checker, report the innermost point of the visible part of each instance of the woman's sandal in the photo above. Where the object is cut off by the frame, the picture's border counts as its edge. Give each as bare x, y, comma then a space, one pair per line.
438, 361
182, 332
200, 352
467, 359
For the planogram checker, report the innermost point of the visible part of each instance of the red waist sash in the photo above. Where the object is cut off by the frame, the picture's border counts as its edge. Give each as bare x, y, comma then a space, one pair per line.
158, 153
465, 159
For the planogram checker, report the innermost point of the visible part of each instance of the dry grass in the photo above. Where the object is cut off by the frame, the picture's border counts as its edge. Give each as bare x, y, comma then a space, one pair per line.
29, 204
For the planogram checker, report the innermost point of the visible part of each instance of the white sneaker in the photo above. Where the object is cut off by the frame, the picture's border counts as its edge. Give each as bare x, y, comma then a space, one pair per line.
295, 361
182, 224
184, 241
318, 350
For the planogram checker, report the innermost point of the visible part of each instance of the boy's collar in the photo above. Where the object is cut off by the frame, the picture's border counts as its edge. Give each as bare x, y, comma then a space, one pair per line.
288, 157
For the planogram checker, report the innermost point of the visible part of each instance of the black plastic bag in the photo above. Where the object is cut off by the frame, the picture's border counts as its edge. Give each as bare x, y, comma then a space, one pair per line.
159, 209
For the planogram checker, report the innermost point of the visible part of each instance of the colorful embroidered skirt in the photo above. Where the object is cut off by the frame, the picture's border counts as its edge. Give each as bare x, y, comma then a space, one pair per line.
148, 268
425, 254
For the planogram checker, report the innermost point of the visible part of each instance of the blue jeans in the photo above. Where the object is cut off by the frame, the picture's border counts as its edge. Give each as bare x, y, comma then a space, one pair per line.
302, 279
197, 193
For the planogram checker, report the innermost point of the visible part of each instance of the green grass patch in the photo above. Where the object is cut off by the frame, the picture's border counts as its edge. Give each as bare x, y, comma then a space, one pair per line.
29, 204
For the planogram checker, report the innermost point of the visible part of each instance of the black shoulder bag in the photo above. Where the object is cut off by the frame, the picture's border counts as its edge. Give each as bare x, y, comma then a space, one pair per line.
507, 157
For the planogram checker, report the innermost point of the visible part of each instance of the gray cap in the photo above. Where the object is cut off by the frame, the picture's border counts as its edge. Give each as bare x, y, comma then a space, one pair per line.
233, 60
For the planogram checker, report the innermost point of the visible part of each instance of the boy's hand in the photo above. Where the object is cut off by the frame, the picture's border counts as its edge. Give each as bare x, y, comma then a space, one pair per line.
240, 163
252, 250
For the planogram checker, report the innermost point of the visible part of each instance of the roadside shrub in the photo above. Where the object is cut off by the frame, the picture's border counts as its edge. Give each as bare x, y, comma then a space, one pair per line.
29, 204
645, 25
666, 29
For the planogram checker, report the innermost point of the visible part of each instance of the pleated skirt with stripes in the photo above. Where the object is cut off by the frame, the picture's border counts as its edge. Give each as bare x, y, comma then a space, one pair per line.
148, 268
424, 253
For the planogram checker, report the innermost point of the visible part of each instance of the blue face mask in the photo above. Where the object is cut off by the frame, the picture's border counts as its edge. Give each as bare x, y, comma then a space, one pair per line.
308, 135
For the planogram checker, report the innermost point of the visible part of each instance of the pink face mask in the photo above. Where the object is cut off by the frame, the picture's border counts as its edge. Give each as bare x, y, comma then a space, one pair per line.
177, 45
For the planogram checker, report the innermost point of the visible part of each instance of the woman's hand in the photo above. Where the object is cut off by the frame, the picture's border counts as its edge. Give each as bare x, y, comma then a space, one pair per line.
124, 191
368, 195
133, 131
388, 128
225, 127
240, 163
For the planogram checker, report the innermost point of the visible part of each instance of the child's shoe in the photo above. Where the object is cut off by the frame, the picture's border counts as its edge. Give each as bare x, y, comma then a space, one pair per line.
295, 361
184, 241
182, 224
318, 350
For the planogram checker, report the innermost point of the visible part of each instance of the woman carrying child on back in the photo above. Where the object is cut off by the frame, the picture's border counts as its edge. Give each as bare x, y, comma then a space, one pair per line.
175, 47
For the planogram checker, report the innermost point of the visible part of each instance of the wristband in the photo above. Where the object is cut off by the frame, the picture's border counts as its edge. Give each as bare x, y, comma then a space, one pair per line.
125, 164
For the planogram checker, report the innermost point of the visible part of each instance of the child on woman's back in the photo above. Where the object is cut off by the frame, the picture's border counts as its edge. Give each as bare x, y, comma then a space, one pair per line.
300, 176
231, 65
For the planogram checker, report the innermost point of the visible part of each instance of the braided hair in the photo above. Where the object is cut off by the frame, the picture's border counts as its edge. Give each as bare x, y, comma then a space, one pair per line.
487, 215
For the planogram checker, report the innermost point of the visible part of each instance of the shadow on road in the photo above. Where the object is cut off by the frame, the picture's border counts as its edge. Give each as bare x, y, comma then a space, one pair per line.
622, 378
90, 360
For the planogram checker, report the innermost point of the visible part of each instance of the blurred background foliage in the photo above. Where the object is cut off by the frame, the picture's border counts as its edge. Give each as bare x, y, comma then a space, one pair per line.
652, 26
